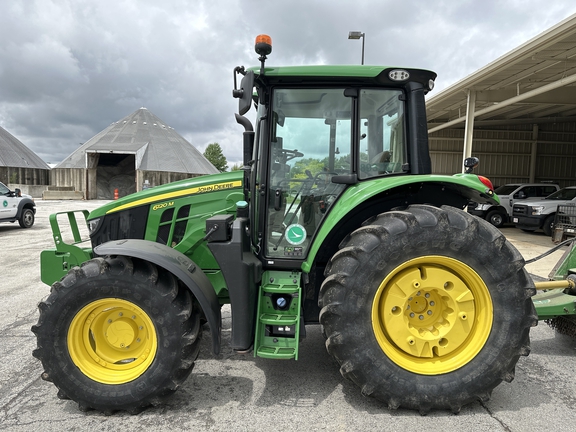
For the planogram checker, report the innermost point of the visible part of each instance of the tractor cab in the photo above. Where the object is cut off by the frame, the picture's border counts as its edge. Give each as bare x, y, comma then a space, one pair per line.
320, 130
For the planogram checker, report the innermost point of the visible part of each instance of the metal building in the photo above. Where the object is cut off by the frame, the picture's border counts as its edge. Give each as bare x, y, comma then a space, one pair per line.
138, 150
517, 114
20, 165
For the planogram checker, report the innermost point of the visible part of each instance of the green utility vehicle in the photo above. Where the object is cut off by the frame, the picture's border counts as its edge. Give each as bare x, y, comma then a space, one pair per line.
335, 219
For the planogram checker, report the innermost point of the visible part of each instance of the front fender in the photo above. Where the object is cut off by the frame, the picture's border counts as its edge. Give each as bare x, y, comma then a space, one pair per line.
180, 266
25, 203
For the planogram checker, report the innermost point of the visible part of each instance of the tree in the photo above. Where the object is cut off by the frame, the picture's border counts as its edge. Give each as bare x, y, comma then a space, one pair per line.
214, 154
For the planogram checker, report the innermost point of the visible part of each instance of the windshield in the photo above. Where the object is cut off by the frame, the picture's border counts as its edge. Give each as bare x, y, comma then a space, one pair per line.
563, 194
312, 131
3, 189
506, 189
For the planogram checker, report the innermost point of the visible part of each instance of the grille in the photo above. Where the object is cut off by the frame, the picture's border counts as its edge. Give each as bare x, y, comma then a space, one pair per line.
127, 224
520, 210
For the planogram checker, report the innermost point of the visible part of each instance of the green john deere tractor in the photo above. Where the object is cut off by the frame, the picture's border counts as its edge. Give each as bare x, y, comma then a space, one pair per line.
335, 219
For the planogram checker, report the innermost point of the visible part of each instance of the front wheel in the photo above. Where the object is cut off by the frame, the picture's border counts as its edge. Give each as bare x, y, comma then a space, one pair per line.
27, 218
496, 218
548, 226
427, 308
117, 334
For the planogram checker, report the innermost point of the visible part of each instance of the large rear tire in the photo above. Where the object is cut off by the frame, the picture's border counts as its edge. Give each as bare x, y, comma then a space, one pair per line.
427, 308
117, 334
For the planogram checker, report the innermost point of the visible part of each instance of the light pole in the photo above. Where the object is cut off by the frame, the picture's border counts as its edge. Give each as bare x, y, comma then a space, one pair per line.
358, 35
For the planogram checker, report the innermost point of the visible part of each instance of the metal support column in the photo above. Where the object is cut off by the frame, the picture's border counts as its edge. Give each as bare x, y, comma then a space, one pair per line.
534, 151
469, 127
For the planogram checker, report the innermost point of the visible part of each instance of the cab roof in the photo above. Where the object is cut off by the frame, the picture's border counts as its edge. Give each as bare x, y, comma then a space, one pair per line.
375, 75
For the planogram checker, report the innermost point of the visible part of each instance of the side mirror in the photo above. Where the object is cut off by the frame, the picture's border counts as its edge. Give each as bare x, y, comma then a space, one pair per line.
244, 93
521, 195
470, 163
18, 192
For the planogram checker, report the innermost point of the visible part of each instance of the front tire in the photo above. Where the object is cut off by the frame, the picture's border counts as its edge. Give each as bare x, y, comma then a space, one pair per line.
496, 218
427, 308
548, 225
27, 218
117, 334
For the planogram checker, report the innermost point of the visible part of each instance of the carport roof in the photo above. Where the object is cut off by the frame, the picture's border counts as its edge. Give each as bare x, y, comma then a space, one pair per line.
533, 83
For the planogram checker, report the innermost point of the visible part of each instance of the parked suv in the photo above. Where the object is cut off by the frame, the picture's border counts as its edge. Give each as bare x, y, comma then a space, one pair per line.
533, 215
16, 206
498, 215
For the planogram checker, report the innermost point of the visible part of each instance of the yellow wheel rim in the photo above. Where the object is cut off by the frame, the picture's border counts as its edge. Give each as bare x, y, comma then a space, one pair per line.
112, 341
432, 315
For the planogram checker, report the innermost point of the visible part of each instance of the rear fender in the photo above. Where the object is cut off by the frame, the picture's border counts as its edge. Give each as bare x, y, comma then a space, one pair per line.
180, 266
397, 191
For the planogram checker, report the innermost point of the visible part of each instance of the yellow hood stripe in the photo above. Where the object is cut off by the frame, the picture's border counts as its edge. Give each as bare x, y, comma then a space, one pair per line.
171, 195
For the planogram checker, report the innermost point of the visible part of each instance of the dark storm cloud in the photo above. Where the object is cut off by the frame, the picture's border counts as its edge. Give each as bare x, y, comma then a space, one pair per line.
70, 68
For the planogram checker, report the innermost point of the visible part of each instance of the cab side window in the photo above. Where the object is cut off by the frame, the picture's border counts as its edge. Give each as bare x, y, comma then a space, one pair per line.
530, 191
547, 190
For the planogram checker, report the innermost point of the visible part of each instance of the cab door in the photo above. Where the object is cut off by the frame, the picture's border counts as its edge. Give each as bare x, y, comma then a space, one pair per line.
310, 142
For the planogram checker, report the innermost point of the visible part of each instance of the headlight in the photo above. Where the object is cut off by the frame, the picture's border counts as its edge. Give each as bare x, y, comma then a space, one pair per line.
93, 225
537, 210
398, 75
483, 206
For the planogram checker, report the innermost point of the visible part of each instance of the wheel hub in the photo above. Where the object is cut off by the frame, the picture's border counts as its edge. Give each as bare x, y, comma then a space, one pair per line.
433, 322
432, 314
112, 341
120, 334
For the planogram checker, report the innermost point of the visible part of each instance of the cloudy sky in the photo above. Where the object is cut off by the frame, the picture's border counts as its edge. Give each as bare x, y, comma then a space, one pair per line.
69, 68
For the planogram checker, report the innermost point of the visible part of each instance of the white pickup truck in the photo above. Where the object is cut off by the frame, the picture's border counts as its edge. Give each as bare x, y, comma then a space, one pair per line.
16, 206
509, 194
533, 215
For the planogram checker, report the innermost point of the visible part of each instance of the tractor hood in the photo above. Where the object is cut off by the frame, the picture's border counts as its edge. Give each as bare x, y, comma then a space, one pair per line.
194, 186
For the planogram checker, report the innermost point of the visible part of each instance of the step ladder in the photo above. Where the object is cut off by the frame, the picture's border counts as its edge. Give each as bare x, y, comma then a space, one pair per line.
278, 321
